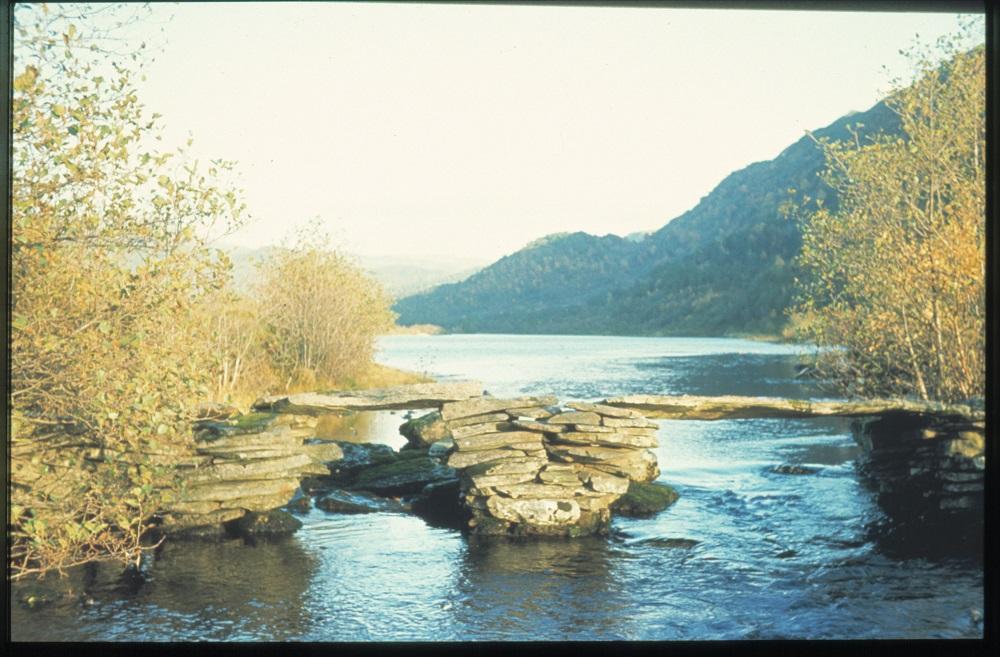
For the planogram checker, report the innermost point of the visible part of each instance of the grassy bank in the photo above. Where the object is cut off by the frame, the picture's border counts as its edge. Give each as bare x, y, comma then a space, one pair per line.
381, 376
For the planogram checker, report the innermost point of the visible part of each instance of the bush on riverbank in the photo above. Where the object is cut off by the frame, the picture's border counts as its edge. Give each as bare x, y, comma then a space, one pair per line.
110, 269
896, 274
320, 312
310, 324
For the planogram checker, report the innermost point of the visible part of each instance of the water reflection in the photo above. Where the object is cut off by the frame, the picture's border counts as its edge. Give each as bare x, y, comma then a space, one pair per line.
363, 427
239, 578
383, 577
193, 591
551, 588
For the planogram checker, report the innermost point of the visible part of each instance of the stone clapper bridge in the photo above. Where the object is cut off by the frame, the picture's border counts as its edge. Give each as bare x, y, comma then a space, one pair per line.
530, 465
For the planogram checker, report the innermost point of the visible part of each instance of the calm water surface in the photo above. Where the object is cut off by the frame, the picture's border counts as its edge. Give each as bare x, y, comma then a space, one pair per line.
764, 555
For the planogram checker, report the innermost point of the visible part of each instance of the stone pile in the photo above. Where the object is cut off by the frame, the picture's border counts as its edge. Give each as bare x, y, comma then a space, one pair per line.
925, 466
527, 466
605, 439
251, 464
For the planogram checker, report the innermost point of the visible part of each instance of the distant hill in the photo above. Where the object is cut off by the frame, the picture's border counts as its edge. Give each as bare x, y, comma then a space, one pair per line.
723, 267
558, 271
400, 276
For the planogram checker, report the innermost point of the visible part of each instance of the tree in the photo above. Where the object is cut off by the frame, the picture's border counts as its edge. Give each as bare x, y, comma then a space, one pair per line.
320, 310
893, 291
110, 262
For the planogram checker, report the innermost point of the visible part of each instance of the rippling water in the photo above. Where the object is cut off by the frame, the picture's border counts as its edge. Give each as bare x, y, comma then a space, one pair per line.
745, 553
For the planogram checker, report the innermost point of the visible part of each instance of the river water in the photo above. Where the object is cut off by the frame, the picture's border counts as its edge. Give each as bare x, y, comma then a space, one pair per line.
763, 555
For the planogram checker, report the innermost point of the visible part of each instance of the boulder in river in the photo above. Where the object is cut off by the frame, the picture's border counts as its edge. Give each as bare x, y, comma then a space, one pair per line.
425, 430
357, 457
441, 449
794, 469
644, 500
402, 476
267, 524
351, 502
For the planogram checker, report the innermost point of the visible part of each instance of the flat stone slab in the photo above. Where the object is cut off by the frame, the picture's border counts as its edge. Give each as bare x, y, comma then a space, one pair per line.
629, 423
605, 439
477, 419
231, 490
414, 395
690, 407
533, 412
575, 417
484, 405
277, 437
541, 491
515, 439
465, 459
248, 470
470, 430
532, 425
485, 481
518, 465
173, 522
603, 409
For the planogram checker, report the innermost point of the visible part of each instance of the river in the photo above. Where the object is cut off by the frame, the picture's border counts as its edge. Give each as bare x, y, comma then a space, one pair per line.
764, 555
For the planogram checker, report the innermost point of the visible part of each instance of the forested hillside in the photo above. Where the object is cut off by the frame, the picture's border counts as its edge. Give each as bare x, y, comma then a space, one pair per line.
723, 267
543, 279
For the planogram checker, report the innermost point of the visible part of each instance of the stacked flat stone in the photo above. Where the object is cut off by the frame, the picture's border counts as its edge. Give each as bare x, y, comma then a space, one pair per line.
239, 469
603, 439
529, 467
925, 465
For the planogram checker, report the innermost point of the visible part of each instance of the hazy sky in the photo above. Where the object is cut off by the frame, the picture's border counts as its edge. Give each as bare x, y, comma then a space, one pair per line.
467, 131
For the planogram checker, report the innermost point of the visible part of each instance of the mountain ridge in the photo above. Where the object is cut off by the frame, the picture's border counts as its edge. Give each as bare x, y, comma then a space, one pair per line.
724, 266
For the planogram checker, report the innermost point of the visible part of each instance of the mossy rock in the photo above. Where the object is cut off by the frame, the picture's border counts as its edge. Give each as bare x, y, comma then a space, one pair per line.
242, 424
255, 421
36, 596
365, 454
266, 524
357, 457
402, 476
410, 452
644, 500
425, 430
353, 502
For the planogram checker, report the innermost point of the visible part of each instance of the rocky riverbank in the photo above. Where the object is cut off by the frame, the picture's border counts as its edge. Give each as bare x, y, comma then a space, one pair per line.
925, 467
245, 465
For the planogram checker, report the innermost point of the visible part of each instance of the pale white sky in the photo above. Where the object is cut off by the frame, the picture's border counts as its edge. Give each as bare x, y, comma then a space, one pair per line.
471, 130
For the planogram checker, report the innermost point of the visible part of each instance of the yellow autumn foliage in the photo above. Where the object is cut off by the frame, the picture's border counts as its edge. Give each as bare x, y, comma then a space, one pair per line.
895, 276
110, 266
